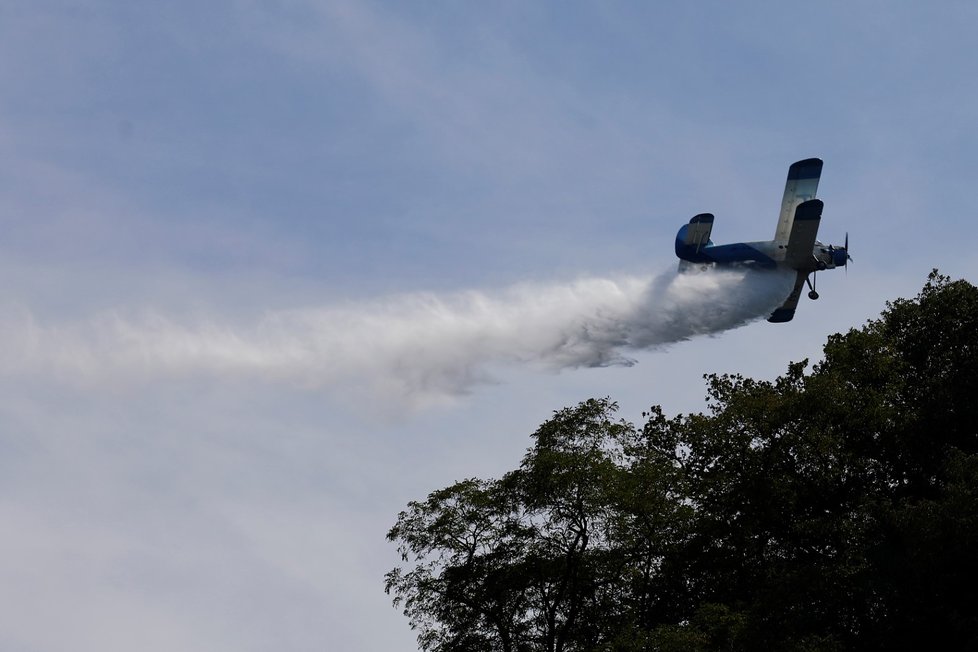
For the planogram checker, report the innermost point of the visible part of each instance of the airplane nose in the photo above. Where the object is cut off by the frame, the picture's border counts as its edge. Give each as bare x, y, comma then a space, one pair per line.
839, 256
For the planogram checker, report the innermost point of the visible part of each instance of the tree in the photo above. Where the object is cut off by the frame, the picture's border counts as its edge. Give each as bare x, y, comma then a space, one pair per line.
830, 509
544, 558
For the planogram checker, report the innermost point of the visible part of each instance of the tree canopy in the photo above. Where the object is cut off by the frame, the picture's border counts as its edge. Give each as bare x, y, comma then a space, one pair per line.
834, 508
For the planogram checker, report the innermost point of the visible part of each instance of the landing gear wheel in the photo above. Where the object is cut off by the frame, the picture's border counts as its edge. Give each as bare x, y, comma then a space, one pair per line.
811, 286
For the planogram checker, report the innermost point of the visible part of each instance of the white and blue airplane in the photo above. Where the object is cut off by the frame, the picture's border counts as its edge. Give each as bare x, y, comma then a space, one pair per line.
794, 246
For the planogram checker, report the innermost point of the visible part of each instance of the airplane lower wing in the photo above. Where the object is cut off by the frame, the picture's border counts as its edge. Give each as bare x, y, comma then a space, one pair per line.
787, 310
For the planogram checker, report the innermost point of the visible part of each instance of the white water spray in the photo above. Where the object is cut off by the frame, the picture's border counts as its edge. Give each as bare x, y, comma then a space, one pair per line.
415, 347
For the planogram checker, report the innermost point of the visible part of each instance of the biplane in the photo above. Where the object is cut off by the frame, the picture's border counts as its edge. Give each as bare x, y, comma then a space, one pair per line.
794, 246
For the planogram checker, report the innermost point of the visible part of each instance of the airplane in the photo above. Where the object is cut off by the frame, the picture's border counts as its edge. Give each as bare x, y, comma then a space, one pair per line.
794, 245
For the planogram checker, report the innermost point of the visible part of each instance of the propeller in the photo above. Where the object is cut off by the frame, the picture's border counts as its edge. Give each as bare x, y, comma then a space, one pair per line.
848, 257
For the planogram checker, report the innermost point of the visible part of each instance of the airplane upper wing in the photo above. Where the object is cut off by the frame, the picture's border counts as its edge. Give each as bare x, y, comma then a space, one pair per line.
787, 309
799, 253
801, 185
697, 232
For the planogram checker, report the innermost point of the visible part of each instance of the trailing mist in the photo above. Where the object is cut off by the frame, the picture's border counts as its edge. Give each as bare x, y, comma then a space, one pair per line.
412, 348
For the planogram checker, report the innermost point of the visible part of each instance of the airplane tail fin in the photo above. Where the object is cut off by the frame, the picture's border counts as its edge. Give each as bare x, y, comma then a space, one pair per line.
693, 237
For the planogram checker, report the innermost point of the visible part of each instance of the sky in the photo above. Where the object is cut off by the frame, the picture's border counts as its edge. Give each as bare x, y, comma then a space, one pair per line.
272, 269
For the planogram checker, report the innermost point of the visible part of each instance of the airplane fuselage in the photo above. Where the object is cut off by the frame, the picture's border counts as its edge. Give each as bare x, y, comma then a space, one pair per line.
767, 254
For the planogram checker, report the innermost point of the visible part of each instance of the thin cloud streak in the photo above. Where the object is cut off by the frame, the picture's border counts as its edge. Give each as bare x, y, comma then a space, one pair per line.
414, 349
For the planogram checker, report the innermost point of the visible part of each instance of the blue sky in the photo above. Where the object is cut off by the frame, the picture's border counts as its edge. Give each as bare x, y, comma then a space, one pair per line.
273, 269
